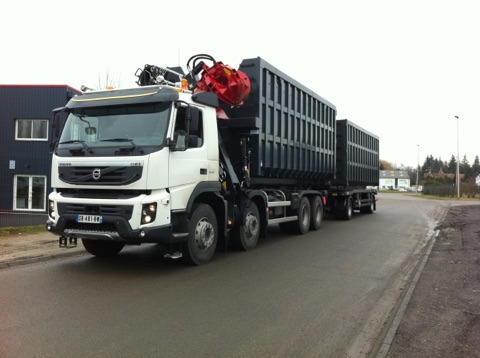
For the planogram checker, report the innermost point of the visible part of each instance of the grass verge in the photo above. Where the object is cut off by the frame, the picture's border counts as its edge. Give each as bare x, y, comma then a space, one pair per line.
21, 230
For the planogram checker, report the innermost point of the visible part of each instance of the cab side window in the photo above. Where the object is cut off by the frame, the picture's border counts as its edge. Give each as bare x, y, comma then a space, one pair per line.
195, 127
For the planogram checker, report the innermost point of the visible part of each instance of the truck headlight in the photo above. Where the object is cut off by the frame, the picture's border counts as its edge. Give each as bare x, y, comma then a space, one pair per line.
149, 212
51, 209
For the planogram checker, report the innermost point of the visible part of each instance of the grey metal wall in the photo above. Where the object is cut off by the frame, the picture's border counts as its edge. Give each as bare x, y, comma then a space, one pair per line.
31, 157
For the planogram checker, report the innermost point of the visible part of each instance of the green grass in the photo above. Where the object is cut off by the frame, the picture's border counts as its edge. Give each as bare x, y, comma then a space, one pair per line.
422, 196
445, 198
21, 230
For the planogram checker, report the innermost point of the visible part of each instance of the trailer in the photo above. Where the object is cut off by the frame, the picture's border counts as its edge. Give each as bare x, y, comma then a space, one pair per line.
357, 171
204, 160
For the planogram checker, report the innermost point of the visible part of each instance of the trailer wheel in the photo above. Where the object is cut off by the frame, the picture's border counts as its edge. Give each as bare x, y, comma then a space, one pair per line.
316, 206
369, 209
202, 236
346, 212
102, 248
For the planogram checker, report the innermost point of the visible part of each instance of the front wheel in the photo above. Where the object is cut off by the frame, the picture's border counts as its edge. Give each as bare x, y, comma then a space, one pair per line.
102, 248
202, 235
246, 237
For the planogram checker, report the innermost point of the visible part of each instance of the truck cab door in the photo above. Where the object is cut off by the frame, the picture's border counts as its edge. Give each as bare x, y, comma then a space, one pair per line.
187, 167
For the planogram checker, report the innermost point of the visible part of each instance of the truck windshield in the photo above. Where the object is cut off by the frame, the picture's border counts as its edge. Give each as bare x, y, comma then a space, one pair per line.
105, 130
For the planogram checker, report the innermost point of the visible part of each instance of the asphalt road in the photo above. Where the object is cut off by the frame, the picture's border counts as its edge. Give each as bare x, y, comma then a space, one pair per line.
329, 293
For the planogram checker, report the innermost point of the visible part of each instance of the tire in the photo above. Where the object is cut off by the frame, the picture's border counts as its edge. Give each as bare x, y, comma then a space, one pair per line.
369, 209
102, 248
345, 213
202, 236
246, 237
304, 216
302, 225
316, 206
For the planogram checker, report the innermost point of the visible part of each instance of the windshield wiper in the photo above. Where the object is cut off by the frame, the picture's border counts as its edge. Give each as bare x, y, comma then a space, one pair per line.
134, 146
82, 142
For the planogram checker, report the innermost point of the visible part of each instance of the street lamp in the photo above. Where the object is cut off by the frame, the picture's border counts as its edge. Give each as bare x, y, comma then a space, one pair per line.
418, 167
458, 162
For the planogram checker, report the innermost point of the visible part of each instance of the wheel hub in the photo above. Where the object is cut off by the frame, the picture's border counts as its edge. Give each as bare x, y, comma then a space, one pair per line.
251, 225
204, 234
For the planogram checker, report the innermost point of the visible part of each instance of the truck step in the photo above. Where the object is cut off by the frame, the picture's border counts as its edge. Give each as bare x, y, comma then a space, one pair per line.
67, 242
174, 255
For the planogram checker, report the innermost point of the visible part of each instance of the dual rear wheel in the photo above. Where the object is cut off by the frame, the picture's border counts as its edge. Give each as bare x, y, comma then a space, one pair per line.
310, 217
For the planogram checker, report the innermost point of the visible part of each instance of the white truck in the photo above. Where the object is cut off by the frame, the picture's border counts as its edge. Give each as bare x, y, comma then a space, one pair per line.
161, 163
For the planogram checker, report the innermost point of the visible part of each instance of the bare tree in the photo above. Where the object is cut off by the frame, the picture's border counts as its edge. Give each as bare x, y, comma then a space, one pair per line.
108, 81
385, 165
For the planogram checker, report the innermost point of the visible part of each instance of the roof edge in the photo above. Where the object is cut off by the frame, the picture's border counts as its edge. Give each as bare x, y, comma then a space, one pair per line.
41, 86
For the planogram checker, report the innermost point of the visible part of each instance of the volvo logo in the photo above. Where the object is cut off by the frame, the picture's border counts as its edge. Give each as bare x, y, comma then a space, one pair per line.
96, 174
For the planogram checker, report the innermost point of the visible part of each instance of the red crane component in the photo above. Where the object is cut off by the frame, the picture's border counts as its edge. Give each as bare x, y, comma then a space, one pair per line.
230, 85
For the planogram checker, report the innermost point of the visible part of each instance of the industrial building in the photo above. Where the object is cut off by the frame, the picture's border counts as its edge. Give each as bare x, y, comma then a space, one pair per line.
25, 158
394, 179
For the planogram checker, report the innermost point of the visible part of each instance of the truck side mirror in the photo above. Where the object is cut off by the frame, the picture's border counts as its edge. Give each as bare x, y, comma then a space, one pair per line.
194, 119
179, 142
55, 127
90, 131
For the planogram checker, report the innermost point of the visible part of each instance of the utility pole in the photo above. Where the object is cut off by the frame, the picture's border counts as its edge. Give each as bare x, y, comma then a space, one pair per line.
418, 167
458, 161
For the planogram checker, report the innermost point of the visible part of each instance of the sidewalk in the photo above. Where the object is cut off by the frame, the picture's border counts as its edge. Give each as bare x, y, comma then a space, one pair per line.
23, 249
442, 318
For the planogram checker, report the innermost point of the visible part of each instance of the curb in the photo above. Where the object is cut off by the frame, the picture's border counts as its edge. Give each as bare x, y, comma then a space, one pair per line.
387, 341
41, 258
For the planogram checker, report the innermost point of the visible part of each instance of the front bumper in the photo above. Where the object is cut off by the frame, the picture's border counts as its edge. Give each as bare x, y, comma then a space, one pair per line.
113, 228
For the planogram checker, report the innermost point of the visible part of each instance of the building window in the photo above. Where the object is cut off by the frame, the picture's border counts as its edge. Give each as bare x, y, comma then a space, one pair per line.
29, 192
31, 129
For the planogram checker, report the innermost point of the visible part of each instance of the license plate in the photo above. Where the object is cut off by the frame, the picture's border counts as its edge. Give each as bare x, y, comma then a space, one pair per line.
90, 219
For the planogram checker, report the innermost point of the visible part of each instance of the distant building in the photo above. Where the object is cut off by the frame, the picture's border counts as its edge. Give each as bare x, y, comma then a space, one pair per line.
394, 179
442, 175
25, 159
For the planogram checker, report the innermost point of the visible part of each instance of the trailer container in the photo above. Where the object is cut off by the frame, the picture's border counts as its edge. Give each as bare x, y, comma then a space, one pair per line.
292, 128
357, 156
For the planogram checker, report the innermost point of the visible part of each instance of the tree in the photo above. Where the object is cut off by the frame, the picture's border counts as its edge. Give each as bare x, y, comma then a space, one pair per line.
428, 165
108, 81
465, 167
476, 167
384, 165
452, 165
412, 174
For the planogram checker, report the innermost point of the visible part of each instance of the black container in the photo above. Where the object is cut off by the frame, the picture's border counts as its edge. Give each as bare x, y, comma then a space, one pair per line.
358, 162
291, 128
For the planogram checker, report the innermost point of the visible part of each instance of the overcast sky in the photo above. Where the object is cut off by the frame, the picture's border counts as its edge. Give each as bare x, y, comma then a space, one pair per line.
401, 69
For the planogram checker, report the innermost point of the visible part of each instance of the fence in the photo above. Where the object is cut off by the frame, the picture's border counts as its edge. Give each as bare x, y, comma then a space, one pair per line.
450, 190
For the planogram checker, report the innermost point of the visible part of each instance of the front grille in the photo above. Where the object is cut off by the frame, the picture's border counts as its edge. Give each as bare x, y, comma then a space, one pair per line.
124, 211
92, 227
101, 175
102, 193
